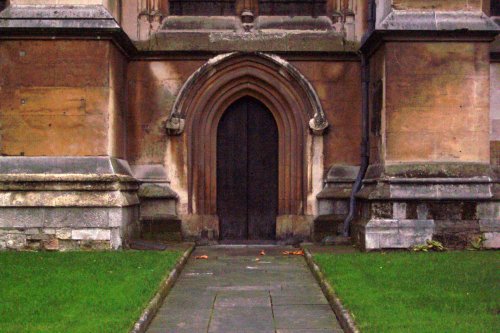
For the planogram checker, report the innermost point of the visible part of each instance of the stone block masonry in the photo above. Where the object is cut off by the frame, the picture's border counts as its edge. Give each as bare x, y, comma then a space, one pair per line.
67, 203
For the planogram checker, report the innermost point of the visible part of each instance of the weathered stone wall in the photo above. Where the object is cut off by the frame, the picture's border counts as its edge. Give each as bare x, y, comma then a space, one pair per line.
154, 85
376, 105
66, 228
60, 98
429, 174
63, 203
152, 89
495, 113
62, 124
444, 113
338, 85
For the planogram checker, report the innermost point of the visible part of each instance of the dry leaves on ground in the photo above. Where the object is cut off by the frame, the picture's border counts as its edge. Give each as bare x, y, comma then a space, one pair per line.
294, 253
201, 257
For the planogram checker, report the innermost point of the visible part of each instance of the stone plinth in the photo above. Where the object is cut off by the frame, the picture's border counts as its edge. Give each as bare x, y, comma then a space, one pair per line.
66, 203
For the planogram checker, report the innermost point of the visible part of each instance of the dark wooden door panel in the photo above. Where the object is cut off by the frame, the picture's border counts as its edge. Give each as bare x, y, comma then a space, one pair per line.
262, 148
247, 172
232, 173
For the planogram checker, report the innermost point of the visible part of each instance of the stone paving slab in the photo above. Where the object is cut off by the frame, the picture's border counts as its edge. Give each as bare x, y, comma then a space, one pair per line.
237, 290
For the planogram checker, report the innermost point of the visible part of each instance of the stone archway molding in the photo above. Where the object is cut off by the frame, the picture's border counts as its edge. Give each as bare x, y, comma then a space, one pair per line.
176, 121
206, 96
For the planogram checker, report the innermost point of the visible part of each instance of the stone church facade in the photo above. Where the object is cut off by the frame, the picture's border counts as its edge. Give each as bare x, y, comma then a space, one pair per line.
249, 120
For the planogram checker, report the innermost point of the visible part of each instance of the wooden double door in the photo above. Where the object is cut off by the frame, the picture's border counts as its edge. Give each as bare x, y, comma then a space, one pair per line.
247, 172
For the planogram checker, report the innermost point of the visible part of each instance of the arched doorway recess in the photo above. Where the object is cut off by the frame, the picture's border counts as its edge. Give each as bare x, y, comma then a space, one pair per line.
287, 95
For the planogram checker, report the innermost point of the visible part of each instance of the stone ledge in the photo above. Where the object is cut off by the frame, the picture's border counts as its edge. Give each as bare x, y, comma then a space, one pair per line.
437, 20
207, 23
57, 16
427, 189
438, 170
68, 199
261, 41
156, 191
64, 165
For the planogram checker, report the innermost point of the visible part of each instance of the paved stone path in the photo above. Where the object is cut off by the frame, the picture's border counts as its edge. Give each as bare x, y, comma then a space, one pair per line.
234, 292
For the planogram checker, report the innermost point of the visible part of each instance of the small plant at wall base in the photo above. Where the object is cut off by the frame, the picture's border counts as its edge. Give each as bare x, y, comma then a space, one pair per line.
430, 245
477, 243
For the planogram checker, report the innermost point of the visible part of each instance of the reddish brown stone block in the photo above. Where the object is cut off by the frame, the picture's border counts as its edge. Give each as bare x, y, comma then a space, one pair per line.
46, 135
466, 59
495, 153
81, 50
81, 74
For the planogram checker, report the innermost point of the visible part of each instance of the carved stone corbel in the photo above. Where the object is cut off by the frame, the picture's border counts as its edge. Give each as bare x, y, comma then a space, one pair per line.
318, 125
175, 125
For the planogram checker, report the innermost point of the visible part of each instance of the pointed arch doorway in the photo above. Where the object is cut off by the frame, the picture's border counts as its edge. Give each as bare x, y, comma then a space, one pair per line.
192, 150
247, 172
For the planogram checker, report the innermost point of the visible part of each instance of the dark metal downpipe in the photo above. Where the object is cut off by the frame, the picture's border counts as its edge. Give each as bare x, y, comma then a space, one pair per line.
365, 155
365, 139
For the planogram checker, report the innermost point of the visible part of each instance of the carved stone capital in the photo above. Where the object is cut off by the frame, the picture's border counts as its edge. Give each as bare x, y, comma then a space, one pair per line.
175, 125
318, 125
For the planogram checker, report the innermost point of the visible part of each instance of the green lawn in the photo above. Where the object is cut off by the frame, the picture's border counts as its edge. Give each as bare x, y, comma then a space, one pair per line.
418, 292
78, 291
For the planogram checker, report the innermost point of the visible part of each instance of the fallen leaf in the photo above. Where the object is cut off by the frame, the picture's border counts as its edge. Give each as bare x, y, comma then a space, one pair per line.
294, 253
262, 253
201, 257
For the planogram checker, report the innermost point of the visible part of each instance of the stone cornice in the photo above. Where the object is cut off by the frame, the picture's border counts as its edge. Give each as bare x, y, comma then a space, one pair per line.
422, 26
95, 22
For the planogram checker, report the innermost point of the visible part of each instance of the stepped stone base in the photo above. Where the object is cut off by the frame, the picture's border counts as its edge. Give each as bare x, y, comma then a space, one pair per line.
67, 203
451, 203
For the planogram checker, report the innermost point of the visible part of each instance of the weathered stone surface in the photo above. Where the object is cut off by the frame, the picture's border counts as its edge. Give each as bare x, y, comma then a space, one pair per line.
489, 225
149, 172
76, 217
122, 216
392, 233
437, 21
91, 234
293, 227
456, 72
492, 240
163, 207
51, 244
117, 238
70, 198
156, 191
488, 210
399, 210
95, 165
21, 218
12, 241
63, 233
441, 5
231, 291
